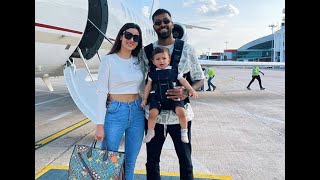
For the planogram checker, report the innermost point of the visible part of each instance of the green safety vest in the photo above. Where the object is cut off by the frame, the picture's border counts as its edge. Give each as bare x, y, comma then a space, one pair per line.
255, 71
210, 72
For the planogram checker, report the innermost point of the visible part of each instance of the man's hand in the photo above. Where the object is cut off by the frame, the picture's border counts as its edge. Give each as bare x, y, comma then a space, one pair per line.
193, 93
178, 93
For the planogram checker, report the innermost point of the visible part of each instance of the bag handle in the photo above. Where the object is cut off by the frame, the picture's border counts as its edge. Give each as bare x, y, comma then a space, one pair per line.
89, 154
86, 166
93, 145
122, 171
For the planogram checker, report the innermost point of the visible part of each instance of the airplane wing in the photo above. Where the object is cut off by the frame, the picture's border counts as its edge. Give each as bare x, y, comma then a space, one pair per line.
193, 26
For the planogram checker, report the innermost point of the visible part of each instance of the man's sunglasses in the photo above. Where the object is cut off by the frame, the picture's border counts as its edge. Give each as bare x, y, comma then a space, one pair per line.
158, 21
129, 35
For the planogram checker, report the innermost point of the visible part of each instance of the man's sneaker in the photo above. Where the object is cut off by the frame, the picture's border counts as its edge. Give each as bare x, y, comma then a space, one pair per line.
262, 88
248, 88
208, 90
213, 88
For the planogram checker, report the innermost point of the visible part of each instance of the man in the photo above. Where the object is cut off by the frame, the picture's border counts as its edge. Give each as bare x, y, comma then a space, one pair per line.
255, 75
210, 75
167, 121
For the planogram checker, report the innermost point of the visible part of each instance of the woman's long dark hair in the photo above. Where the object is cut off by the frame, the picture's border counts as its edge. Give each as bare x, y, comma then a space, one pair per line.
117, 44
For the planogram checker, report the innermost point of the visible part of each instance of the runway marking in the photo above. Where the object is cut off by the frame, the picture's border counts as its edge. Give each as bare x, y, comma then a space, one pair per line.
54, 136
43, 90
195, 175
51, 92
47, 168
51, 100
162, 173
60, 116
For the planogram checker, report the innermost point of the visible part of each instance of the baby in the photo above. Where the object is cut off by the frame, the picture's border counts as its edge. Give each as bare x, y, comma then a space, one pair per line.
160, 79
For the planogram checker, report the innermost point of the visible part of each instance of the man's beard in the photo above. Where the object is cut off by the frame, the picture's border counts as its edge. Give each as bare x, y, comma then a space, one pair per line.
164, 35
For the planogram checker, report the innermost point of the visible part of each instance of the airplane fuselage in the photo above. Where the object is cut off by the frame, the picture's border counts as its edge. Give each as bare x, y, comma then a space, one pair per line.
61, 26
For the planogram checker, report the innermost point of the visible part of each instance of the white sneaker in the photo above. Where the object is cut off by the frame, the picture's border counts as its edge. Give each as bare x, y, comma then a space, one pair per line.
149, 136
184, 135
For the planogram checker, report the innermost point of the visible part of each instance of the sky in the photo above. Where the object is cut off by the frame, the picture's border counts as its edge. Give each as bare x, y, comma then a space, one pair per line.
233, 22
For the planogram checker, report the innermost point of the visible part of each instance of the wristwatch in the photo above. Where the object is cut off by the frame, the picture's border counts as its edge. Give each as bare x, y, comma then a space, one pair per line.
185, 91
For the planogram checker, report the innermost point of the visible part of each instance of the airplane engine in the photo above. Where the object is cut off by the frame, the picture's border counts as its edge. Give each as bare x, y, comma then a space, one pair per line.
179, 31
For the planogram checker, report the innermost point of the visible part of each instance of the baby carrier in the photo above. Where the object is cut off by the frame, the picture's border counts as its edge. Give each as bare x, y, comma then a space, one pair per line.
162, 80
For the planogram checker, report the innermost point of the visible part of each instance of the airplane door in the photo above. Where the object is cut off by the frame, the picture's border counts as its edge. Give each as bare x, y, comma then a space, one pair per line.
79, 83
92, 38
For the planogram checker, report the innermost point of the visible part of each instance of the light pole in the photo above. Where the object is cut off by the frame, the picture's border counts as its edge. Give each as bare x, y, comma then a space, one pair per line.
208, 53
225, 49
272, 50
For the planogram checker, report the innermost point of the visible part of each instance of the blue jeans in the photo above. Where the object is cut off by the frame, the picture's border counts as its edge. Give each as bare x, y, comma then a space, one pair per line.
210, 83
128, 118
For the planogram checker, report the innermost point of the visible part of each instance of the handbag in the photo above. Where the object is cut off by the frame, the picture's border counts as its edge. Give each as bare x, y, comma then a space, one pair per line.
91, 163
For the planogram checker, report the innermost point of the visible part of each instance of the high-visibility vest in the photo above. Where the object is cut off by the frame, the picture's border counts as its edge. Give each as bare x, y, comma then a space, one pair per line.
210, 72
255, 71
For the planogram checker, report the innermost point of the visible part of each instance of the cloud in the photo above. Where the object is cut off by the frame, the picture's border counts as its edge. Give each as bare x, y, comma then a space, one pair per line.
146, 11
211, 8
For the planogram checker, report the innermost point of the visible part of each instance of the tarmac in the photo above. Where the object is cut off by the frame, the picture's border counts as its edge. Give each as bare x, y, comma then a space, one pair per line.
237, 133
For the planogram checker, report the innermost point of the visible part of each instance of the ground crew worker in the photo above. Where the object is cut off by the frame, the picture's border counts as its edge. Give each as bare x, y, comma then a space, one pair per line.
210, 75
255, 75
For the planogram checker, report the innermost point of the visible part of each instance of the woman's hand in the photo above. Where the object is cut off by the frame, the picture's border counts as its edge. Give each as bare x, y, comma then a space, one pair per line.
143, 103
99, 135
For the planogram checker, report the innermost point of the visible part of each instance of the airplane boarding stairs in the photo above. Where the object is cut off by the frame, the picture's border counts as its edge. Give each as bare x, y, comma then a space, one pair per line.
82, 90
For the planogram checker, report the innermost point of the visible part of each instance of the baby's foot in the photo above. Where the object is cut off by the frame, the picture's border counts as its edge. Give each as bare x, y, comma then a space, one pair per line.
184, 135
149, 136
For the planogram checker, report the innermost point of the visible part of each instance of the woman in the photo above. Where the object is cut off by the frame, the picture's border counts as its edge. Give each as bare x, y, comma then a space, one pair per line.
121, 75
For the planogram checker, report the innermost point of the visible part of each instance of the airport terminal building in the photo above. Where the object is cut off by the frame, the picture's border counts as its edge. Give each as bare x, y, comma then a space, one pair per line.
279, 45
259, 49
270, 48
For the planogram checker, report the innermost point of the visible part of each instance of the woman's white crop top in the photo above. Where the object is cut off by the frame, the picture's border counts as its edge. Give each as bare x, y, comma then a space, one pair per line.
118, 76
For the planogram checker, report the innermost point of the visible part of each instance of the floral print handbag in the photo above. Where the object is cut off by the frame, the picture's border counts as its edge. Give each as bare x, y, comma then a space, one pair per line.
91, 163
